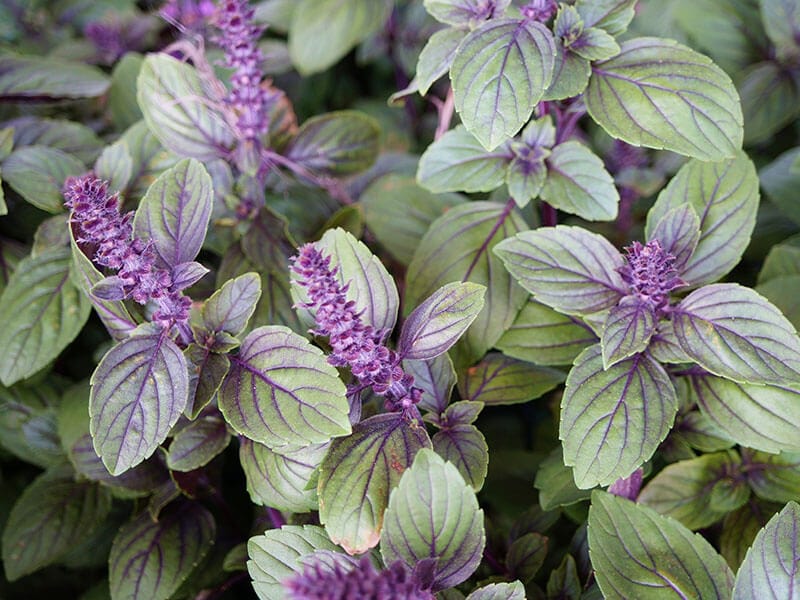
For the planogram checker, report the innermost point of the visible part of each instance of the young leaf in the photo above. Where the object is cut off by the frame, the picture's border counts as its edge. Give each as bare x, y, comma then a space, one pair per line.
770, 568
197, 444
526, 555
498, 379
48, 78
613, 420
499, 591
436, 378
611, 15
736, 333
433, 513
570, 75
773, 477
358, 474
464, 13
230, 307
660, 94
678, 232
37, 173
627, 330
740, 528
436, 324
638, 553
437, 56
42, 312
52, 515
139, 391
564, 582
567, 268
150, 559
207, 370
281, 391
464, 445
781, 20
175, 212
556, 484
499, 73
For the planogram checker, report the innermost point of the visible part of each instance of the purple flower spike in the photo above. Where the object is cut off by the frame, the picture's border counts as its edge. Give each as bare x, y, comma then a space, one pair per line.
363, 582
627, 487
539, 10
354, 344
651, 273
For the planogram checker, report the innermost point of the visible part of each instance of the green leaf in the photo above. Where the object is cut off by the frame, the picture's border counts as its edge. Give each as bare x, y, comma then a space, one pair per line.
526, 555
770, 568
781, 20
464, 446
678, 232
500, 71
458, 162
638, 553
37, 173
740, 528
230, 307
174, 101
698, 492
499, 591
32, 78
150, 559
611, 15
437, 57
461, 13
595, 44
780, 182
115, 165
73, 138
613, 420
358, 474
724, 195
782, 260
42, 311
627, 330
770, 99
121, 101
51, 516
433, 513
736, 333
197, 444
570, 75
337, 143
773, 477
323, 31
436, 378
207, 370
498, 379
660, 94
556, 484
281, 391
564, 582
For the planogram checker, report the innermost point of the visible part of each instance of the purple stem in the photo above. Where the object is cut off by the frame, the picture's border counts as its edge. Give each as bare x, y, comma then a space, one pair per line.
276, 517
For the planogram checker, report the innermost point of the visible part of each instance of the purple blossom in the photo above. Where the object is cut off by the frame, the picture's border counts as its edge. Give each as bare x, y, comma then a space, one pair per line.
539, 10
355, 344
108, 236
189, 14
627, 487
363, 581
651, 273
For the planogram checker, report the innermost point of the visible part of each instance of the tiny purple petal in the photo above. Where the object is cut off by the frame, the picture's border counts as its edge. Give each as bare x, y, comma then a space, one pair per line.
651, 273
627, 487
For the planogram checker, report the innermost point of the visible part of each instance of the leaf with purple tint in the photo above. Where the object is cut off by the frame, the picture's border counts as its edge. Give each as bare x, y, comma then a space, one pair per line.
525, 556
115, 166
499, 591
436, 378
465, 13
197, 444
207, 370
464, 445
230, 307
678, 232
186, 274
498, 379
736, 333
499, 73
358, 474
763, 417
48, 78
638, 553
556, 484
151, 559
52, 515
281, 480
175, 212
724, 195
437, 56
771, 568
267, 242
433, 513
613, 420
660, 94
436, 324
458, 247
627, 330
139, 391
570, 75
281, 391
42, 311
567, 268
611, 15
37, 173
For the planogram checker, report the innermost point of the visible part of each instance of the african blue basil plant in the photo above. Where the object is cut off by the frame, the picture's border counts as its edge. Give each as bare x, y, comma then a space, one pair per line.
267, 335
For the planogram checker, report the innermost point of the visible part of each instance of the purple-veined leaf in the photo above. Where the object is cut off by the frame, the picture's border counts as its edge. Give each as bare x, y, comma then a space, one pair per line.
275, 556
186, 274
207, 370
611, 15
556, 484
327, 560
499, 591
458, 247
678, 232
52, 515
436, 324
499, 73
37, 173
150, 559
174, 100
525, 178
150, 157
236, 559
664, 346
637, 553
337, 143
109, 289
627, 330
570, 75
781, 20
564, 581
773, 477
498, 379
464, 445
42, 311
32, 78
281, 391
526, 555
567, 268
595, 44
230, 307
771, 568
281, 480
75, 139
436, 378
462, 412
163, 495
175, 212
465, 13
725, 197
613, 420
660, 94
763, 417
578, 183
740, 528
267, 243
433, 513
358, 474
701, 432
115, 165
139, 391
437, 56
197, 444
734, 332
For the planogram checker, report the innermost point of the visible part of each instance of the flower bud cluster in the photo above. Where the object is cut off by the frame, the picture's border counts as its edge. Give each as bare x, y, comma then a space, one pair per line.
651, 273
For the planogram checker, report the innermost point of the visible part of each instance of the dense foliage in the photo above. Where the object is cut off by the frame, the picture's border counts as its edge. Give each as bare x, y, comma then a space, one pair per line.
337, 299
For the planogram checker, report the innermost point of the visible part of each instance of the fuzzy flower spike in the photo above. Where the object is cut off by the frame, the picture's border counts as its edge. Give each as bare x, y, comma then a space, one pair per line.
355, 344
651, 273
